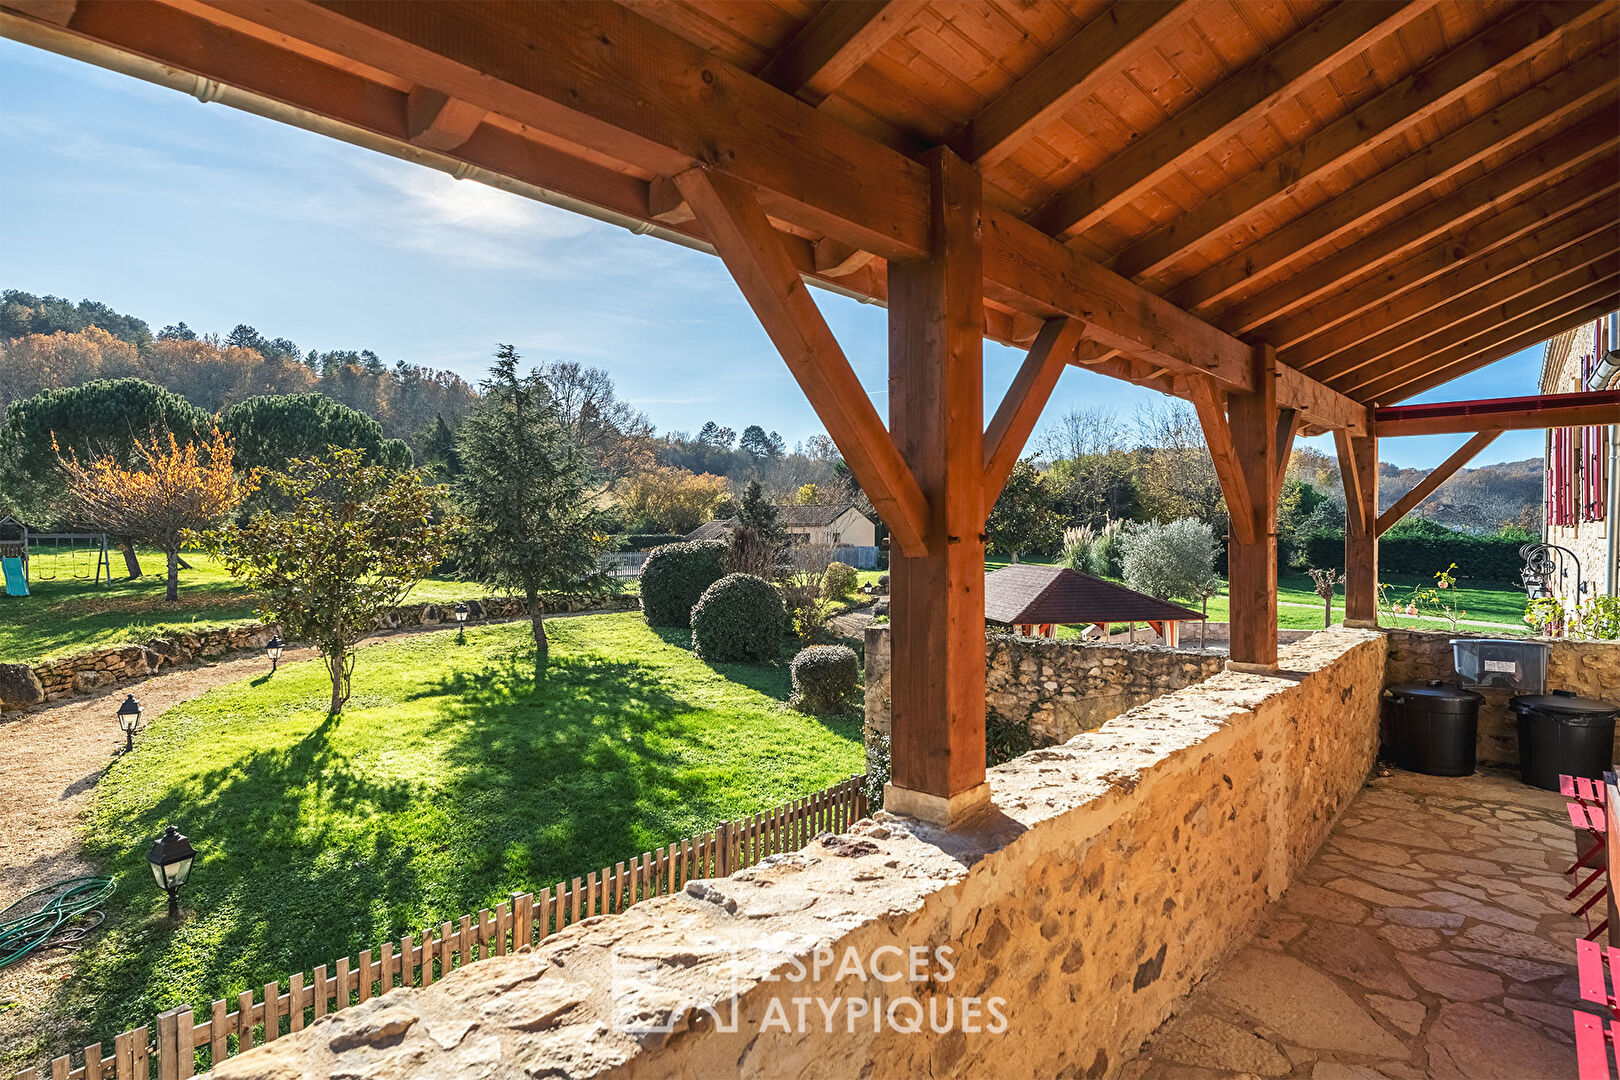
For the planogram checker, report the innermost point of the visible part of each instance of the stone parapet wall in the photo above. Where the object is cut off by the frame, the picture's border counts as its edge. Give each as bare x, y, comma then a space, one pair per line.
1055, 688
1112, 874
24, 685
1589, 668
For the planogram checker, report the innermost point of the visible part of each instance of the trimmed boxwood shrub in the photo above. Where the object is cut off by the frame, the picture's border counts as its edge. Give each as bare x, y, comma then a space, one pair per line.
826, 679
738, 618
840, 580
674, 577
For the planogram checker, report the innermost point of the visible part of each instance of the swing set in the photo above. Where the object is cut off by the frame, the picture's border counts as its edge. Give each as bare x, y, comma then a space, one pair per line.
50, 556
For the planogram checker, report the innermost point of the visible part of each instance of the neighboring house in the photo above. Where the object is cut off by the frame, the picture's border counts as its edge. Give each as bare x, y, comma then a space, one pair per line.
849, 532
1581, 489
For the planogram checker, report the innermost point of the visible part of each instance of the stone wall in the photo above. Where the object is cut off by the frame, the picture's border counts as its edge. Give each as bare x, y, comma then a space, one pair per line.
1589, 668
1112, 874
24, 685
1057, 688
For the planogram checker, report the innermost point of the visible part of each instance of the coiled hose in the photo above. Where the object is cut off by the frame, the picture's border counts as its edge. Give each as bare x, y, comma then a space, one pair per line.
44, 917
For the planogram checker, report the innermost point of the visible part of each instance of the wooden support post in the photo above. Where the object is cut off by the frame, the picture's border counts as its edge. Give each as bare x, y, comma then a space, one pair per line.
1358, 467
1252, 566
936, 403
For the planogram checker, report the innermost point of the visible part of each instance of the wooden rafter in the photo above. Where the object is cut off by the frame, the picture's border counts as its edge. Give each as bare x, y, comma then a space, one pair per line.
437, 121
1211, 119
1437, 476
1487, 319
747, 244
837, 41
1551, 276
1021, 407
1589, 143
1517, 122
1100, 51
1524, 36
1554, 219
1578, 409
1497, 344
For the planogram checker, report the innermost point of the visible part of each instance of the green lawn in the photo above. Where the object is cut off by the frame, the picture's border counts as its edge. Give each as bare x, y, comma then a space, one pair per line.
68, 615
450, 781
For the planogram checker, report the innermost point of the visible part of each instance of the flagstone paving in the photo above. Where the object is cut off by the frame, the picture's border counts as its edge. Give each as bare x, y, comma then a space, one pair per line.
1428, 938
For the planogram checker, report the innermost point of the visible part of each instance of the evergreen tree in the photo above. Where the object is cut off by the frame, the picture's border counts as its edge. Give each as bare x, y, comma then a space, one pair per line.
531, 526
439, 449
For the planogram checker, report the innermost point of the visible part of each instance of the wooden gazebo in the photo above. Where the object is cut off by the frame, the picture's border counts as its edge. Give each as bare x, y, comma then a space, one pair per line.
1291, 214
1034, 600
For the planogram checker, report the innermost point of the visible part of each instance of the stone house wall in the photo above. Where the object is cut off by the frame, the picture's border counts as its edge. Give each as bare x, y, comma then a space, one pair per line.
1589, 668
24, 685
1112, 874
1057, 688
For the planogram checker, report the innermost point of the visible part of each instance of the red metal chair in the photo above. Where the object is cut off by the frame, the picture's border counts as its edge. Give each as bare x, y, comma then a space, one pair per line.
1595, 967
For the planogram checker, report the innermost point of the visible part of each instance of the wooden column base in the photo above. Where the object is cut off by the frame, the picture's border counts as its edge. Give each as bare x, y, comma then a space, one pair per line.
947, 813
1361, 624
1251, 669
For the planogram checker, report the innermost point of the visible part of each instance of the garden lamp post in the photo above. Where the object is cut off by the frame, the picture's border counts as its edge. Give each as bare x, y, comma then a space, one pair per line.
272, 649
461, 618
129, 719
171, 858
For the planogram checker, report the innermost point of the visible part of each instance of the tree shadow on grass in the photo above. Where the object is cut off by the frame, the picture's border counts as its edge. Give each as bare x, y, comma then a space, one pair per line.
772, 680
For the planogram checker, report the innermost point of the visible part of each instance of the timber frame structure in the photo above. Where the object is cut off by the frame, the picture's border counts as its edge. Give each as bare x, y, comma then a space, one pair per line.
1293, 215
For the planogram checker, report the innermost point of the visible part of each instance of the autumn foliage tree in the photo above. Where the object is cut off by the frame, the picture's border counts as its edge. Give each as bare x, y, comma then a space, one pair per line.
170, 490
358, 539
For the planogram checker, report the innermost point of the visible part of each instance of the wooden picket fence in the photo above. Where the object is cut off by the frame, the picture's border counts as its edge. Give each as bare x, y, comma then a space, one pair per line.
183, 1046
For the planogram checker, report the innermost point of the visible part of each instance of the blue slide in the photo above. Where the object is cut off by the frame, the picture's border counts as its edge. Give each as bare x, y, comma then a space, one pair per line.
16, 584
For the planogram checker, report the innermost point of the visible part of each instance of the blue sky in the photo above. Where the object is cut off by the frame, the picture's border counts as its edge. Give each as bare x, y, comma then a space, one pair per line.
170, 209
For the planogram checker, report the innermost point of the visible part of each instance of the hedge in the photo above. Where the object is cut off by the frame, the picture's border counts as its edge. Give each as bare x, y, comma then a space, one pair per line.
674, 577
738, 619
1421, 547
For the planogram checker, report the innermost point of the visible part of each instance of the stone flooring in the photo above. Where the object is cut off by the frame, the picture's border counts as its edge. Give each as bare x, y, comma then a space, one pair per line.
1429, 937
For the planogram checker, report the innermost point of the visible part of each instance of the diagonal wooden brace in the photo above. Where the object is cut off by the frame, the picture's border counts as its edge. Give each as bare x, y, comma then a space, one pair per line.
1031, 388
749, 246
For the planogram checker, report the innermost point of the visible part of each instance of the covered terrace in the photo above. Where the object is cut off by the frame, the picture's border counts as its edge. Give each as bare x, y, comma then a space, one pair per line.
1295, 216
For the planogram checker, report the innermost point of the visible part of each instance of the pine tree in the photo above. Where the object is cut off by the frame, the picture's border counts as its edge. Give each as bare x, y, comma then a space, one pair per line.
531, 525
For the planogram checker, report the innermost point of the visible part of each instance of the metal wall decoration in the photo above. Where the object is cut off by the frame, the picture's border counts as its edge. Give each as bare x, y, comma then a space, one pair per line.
1546, 563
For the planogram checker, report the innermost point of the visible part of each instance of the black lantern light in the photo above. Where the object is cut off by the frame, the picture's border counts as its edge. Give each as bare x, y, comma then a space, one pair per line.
171, 857
461, 611
129, 719
461, 618
272, 649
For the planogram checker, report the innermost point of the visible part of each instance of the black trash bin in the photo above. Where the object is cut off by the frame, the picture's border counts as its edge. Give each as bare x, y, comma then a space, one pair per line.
1436, 728
1560, 733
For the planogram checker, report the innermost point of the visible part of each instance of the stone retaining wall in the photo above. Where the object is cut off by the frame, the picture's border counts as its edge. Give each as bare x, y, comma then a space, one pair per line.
1589, 668
1112, 874
24, 685
1057, 688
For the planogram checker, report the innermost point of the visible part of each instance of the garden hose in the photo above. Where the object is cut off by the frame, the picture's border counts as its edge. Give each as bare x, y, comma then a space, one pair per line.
48, 923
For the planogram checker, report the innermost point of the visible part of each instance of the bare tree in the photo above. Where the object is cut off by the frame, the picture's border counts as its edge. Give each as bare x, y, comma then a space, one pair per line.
804, 571
615, 437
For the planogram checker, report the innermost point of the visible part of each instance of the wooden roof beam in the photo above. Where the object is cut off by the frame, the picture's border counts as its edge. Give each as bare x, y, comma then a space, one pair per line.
1487, 313
1407, 237
1517, 122
1548, 221
1313, 52
1021, 407
1534, 413
1522, 37
1457, 301
837, 42
1100, 51
438, 121
1430, 483
1494, 341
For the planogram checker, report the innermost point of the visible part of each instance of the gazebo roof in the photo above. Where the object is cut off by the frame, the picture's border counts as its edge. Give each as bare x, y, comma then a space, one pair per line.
1055, 594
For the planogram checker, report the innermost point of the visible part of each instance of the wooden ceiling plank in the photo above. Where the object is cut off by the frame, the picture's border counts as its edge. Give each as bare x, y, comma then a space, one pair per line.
1518, 122
1475, 313
837, 42
1405, 236
1456, 297
1098, 52
1430, 483
1482, 347
1581, 408
1222, 113
1550, 220
1449, 365
746, 243
1525, 35
1021, 407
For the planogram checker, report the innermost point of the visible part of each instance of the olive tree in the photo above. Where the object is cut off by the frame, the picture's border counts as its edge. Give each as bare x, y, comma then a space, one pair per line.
357, 540
1172, 560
